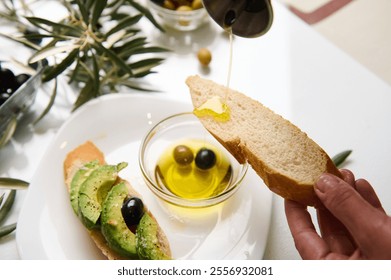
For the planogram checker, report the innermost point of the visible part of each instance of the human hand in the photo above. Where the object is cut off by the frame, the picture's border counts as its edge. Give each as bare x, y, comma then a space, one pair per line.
352, 221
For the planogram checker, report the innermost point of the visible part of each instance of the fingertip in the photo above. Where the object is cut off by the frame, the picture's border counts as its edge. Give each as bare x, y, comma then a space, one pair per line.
325, 182
333, 192
364, 183
348, 176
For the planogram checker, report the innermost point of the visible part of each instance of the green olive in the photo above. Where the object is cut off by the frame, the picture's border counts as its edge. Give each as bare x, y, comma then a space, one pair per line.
168, 4
183, 155
184, 9
197, 4
204, 56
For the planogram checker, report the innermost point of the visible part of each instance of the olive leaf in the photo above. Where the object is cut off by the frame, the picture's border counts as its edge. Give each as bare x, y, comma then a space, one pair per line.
5, 230
143, 67
51, 102
340, 158
124, 24
21, 40
97, 11
83, 9
52, 72
48, 26
51, 51
146, 13
5, 209
12, 184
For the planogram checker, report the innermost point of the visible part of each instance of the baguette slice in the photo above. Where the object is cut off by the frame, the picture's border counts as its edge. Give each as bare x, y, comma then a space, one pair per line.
76, 159
285, 158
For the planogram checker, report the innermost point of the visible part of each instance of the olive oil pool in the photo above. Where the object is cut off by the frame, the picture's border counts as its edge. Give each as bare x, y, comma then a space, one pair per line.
193, 169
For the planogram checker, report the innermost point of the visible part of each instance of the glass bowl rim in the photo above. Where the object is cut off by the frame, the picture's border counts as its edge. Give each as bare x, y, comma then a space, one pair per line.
173, 199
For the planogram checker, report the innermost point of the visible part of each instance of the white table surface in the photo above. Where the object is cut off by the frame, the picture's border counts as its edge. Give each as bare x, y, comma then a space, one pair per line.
291, 69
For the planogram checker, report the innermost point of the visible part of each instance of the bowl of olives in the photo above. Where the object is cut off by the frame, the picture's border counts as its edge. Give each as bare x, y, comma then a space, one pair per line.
183, 164
183, 15
18, 88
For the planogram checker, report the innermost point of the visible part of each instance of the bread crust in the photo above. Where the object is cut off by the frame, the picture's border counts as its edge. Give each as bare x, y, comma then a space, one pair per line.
238, 144
86, 153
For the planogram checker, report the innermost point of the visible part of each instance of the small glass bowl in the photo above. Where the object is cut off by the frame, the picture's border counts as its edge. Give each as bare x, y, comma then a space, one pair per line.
12, 110
178, 20
177, 129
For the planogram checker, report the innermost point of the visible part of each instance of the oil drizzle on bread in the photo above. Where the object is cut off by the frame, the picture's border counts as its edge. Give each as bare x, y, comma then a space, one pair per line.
214, 107
231, 39
217, 107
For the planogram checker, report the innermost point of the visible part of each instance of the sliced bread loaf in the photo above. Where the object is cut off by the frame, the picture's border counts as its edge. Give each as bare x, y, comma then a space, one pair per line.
285, 158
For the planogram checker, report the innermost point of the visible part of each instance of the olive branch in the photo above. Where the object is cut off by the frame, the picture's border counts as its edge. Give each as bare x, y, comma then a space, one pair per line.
97, 45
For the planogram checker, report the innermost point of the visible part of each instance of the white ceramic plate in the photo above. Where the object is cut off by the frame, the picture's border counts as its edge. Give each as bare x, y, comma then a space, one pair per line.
48, 228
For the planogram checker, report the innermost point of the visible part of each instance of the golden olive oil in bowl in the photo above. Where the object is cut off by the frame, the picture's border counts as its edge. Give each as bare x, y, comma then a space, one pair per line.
193, 169
184, 165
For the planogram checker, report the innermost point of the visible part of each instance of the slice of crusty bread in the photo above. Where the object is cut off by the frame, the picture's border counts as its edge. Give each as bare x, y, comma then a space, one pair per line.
77, 158
285, 158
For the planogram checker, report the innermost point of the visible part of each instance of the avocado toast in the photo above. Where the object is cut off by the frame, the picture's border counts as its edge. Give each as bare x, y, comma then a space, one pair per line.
101, 200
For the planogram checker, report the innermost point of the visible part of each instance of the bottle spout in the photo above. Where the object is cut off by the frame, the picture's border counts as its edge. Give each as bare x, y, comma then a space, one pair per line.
246, 18
229, 19
233, 13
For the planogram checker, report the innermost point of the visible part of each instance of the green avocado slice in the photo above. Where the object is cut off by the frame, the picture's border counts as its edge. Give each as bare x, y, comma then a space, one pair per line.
113, 226
147, 241
94, 190
78, 179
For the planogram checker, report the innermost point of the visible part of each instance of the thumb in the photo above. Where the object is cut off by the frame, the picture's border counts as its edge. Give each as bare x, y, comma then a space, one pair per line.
347, 205
338, 196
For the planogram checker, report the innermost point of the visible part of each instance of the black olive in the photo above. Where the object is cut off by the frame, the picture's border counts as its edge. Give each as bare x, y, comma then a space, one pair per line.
132, 211
205, 159
7, 80
183, 155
